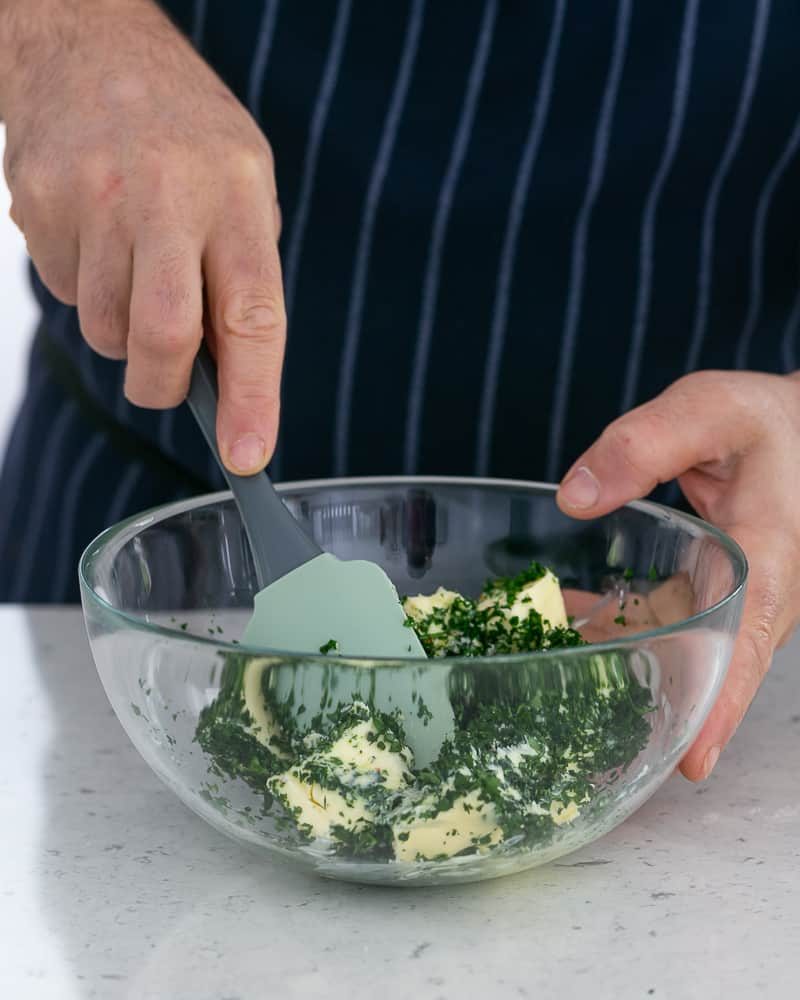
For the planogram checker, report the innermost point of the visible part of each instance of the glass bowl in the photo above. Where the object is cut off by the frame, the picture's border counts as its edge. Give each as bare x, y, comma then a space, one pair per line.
543, 752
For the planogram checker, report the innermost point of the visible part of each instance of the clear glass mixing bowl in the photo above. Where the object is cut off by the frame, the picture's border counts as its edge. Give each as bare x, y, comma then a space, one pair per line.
555, 748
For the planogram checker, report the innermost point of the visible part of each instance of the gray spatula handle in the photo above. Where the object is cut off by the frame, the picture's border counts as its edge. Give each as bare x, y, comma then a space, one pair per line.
278, 542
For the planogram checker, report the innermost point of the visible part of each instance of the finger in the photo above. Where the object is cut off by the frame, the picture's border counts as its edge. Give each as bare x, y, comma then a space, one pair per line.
104, 290
769, 615
50, 235
751, 658
246, 308
165, 325
700, 420
55, 256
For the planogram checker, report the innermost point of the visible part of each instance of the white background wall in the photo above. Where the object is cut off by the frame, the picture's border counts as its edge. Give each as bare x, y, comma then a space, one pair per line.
17, 311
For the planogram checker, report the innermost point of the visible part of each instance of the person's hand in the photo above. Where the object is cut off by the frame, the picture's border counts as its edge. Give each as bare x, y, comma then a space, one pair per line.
733, 441
143, 188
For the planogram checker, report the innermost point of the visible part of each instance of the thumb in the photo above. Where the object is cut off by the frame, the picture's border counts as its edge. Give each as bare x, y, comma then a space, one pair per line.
693, 422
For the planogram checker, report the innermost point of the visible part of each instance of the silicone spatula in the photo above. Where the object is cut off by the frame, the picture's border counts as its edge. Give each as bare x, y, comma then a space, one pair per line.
308, 597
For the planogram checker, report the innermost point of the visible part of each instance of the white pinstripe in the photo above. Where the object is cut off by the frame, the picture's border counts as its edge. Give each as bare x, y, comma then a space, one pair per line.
788, 348
316, 131
580, 239
199, 22
759, 230
712, 204
47, 480
73, 487
683, 73
430, 290
505, 274
266, 33
360, 271
123, 493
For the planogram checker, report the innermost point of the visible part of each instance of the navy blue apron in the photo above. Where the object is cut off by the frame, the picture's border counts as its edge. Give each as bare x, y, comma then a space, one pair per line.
505, 223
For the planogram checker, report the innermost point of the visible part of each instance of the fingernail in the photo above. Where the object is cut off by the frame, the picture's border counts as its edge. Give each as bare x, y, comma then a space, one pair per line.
711, 761
247, 455
581, 490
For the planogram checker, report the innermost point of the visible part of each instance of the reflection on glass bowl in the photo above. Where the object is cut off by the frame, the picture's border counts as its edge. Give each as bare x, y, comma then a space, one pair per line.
416, 772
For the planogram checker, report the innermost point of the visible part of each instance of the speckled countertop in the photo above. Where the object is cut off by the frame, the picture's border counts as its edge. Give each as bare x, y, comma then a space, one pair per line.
110, 888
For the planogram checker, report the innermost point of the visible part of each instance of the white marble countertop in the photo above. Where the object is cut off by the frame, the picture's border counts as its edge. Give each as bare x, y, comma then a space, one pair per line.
110, 888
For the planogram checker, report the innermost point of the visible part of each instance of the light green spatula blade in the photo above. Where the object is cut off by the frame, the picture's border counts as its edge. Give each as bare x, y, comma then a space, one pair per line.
354, 604
350, 605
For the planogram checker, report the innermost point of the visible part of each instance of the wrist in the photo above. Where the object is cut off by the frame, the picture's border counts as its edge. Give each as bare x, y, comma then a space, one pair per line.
34, 33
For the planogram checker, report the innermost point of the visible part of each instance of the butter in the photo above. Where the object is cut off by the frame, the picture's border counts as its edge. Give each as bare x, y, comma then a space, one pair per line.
352, 764
561, 814
362, 758
263, 726
543, 595
468, 822
422, 605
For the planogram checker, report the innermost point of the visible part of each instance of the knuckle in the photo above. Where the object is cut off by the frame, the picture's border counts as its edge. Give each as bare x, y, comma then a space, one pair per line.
100, 175
722, 392
162, 340
694, 381
631, 439
102, 323
104, 334
156, 387
19, 165
15, 214
252, 164
693, 394
767, 596
759, 646
167, 179
759, 635
254, 315
32, 186
11, 162
255, 396
154, 397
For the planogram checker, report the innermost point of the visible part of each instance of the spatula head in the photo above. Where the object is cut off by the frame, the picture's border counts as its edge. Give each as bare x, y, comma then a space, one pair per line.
354, 604
327, 604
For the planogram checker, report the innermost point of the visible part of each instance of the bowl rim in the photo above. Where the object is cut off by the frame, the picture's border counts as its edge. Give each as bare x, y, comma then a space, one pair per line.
161, 512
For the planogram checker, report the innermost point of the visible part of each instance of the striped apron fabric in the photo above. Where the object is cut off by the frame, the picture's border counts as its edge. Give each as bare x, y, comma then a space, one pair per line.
505, 223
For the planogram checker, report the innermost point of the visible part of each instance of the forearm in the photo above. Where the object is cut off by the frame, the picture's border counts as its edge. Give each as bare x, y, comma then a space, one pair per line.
34, 32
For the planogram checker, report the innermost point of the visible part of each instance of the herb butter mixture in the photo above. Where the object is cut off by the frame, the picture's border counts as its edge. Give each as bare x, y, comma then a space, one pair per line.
528, 749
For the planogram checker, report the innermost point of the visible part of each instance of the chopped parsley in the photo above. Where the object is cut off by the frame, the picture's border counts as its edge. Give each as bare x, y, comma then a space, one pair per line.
533, 746
490, 625
331, 646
